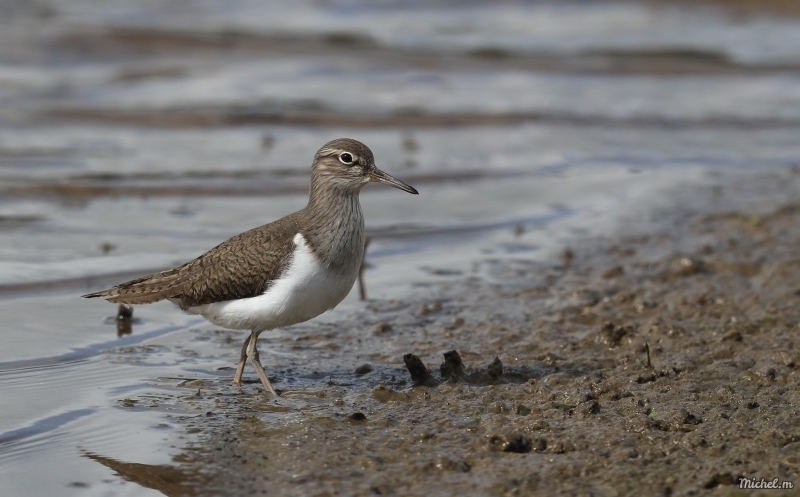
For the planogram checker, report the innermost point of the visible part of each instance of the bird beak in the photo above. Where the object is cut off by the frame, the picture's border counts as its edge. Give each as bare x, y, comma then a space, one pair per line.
381, 177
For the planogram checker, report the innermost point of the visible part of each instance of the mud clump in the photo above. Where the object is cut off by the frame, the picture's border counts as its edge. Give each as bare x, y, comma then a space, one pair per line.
612, 335
495, 369
452, 367
511, 442
453, 370
419, 372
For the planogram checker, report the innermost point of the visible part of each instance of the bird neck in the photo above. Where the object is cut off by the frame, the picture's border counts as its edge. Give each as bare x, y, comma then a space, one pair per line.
335, 226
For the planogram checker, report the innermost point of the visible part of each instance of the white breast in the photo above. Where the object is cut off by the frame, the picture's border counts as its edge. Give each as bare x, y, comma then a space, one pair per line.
305, 290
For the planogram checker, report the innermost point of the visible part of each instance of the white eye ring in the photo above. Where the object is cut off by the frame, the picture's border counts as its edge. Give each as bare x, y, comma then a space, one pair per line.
346, 158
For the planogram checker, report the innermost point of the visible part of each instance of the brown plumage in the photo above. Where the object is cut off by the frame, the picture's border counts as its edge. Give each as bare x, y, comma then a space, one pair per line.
281, 273
240, 267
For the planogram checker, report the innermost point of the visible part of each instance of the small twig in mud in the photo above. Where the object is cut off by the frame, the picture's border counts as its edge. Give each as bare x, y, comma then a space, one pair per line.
648, 364
362, 288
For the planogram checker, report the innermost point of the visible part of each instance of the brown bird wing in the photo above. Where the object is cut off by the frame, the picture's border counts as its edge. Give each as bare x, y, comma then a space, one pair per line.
241, 267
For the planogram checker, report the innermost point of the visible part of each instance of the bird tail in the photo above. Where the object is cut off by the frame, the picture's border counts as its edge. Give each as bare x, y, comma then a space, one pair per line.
146, 290
118, 297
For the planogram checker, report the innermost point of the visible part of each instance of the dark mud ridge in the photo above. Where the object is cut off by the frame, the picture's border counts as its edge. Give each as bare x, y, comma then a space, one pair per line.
659, 364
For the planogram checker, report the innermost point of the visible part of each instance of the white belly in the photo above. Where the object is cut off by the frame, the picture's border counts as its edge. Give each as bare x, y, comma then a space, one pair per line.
305, 290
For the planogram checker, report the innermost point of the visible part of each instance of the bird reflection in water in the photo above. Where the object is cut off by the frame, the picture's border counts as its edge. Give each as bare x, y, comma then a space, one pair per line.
169, 480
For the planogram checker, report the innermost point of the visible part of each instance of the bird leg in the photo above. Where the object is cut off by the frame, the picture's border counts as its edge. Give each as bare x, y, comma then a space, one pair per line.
237, 379
252, 353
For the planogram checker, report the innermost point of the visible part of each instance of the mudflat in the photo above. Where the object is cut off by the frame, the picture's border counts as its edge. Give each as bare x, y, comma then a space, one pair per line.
653, 361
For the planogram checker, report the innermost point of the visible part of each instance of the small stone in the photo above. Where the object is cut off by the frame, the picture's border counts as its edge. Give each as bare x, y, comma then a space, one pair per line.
646, 378
383, 327
612, 334
733, 336
357, 417
445, 463
107, 247
719, 479
591, 407
509, 442
614, 272
364, 369
499, 408
688, 266
783, 357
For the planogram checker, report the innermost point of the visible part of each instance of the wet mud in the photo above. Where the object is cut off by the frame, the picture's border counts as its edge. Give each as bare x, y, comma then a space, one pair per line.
660, 362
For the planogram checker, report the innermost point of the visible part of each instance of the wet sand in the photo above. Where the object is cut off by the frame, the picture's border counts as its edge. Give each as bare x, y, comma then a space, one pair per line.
648, 361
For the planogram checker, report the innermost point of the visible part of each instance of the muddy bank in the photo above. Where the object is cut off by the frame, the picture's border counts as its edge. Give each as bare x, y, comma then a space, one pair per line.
661, 361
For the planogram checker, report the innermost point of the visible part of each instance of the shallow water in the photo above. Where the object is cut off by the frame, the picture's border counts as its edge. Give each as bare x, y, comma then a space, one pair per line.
135, 136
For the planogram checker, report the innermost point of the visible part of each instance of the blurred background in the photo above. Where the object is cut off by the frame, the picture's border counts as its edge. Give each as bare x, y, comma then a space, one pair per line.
135, 135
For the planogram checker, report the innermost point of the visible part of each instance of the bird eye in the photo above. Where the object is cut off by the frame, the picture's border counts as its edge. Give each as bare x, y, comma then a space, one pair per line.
346, 158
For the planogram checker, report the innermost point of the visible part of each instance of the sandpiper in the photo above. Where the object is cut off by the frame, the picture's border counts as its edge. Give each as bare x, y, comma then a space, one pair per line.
282, 273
